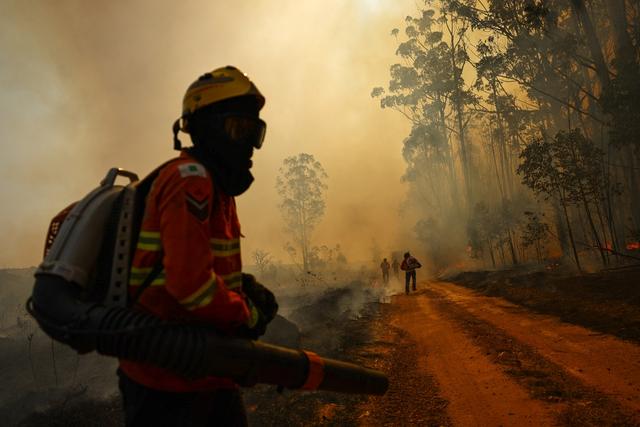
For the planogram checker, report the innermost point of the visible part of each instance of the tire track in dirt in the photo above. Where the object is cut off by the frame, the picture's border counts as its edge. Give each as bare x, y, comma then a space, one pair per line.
521, 343
412, 398
432, 346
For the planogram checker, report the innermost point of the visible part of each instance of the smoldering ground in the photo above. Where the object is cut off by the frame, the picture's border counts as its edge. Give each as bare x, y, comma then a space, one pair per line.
38, 373
47, 383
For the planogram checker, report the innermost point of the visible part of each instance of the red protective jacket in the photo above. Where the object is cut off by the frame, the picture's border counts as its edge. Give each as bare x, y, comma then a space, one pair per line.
194, 227
410, 264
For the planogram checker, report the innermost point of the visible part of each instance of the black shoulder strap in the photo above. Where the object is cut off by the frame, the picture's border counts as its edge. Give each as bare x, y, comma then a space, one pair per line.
153, 274
142, 190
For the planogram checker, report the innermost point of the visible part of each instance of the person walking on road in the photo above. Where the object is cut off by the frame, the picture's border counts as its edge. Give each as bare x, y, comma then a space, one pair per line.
385, 266
409, 266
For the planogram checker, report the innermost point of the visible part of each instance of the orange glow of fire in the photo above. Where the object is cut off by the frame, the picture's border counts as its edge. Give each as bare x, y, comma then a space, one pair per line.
633, 246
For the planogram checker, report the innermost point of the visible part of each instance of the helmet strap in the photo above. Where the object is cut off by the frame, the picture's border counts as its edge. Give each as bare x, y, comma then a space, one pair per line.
177, 144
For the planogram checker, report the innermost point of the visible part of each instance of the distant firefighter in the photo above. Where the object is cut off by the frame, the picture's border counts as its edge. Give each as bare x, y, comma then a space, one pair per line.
409, 266
385, 266
396, 268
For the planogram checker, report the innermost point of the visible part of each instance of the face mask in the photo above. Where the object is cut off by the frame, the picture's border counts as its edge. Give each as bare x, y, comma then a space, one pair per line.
224, 143
229, 162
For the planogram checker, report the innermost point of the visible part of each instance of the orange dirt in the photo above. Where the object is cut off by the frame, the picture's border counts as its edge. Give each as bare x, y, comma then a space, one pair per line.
606, 363
493, 363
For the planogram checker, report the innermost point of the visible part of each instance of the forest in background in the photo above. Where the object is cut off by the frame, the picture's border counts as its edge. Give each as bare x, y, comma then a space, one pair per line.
524, 146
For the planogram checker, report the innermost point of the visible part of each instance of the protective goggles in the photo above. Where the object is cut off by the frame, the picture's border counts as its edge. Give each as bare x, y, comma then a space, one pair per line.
240, 127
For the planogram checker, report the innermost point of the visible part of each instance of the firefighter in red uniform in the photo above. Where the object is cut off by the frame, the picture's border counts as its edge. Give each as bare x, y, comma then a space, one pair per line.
189, 244
409, 266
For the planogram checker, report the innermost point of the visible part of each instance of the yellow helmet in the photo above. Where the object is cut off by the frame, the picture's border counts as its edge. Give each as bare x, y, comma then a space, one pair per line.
218, 85
215, 86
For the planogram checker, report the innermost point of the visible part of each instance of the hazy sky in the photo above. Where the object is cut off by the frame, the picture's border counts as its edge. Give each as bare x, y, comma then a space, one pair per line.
87, 85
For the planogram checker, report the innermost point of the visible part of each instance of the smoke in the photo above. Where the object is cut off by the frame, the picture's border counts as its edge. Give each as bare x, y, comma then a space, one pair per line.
91, 86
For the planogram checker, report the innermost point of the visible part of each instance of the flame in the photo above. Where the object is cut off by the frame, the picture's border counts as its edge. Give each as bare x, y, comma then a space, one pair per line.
633, 246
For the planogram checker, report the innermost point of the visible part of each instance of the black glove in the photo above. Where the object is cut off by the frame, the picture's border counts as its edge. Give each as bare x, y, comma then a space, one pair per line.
263, 300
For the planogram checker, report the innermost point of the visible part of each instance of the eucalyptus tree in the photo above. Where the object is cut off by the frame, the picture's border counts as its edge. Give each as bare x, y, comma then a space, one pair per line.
301, 185
535, 233
579, 62
541, 69
427, 88
262, 260
539, 170
568, 168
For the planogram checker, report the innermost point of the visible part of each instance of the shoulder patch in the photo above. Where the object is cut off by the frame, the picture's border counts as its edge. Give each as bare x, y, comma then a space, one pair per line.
192, 169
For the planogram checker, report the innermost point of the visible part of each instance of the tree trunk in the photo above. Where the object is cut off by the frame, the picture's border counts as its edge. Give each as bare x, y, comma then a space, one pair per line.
304, 240
457, 101
514, 257
570, 232
495, 167
631, 176
608, 242
587, 210
617, 203
502, 142
582, 15
493, 259
501, 252
626, 53
594, 231
455, 197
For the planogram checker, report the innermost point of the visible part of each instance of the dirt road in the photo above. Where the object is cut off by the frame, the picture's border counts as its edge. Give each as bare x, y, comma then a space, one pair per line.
461, 359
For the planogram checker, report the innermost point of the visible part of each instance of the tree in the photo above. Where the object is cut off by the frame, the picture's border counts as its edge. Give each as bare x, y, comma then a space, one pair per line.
301, 185
541, 70
568, 168
482, 230
541, 175
535, 233
428, 89
262, 260
580, 163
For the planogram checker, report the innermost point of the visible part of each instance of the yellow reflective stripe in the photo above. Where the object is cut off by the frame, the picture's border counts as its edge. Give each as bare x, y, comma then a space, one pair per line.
225, 247
253, 314
233, 280
138, 275
202, 296
149, 241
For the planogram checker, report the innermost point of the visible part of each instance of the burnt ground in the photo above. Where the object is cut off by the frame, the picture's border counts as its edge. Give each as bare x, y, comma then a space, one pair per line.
335, 324
412, 398
608, 301
457, 356
340, 325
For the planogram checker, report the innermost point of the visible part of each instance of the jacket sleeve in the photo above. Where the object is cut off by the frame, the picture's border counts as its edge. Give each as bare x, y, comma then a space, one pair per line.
184, 207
